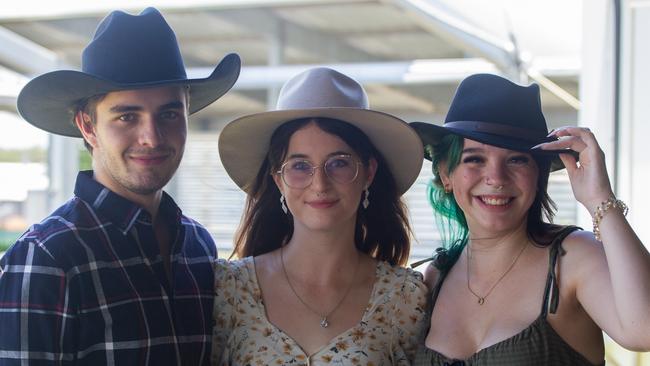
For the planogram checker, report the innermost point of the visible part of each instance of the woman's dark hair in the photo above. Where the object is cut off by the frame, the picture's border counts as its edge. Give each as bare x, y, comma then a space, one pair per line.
382, 230
451, 219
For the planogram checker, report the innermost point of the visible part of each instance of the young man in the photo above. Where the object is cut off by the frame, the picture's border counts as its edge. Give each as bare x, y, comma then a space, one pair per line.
117, 275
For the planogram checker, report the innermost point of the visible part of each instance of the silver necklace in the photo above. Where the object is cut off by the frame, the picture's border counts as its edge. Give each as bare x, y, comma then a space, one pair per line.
324, 323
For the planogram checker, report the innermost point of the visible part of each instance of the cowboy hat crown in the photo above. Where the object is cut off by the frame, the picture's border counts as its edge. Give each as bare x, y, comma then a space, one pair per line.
121, 39
495, 111
127, 52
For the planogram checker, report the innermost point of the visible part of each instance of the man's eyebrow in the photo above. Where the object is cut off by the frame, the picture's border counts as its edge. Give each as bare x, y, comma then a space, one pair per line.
172, 105
121, 108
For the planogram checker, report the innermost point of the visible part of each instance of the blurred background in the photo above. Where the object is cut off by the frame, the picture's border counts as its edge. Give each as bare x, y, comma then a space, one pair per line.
588, 57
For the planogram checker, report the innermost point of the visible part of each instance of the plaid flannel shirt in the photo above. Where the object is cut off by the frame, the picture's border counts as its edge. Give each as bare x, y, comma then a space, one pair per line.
87, 286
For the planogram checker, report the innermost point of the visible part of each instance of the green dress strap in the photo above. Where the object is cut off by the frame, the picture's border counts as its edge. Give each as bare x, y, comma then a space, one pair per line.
552, 290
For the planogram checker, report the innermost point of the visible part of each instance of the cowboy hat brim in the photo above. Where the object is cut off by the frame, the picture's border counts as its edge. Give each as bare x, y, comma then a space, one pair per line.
431, 134
48, 100
244, 142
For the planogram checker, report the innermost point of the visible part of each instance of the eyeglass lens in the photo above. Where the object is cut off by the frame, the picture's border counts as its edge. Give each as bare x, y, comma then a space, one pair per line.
299, 173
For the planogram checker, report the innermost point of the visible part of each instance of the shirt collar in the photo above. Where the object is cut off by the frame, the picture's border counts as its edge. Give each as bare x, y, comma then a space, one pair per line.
117, 209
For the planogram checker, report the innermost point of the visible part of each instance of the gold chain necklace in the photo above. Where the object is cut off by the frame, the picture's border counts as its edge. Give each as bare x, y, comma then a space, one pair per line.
481, 299
324, 323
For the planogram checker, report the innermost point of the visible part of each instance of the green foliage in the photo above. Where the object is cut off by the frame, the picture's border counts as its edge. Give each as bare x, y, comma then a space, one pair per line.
32, 155
7, 239
4, 245
85, 160
39, 155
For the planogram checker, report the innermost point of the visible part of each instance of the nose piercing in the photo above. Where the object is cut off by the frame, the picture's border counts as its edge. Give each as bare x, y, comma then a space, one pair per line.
499, 188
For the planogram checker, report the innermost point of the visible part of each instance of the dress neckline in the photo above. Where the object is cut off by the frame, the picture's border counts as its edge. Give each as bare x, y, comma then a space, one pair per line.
511, 339
538, 323
550, 301
250, 266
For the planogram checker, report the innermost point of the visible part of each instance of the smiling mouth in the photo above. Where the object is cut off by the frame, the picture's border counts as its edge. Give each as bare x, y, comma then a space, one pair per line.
321, 204
495, 201
150, 159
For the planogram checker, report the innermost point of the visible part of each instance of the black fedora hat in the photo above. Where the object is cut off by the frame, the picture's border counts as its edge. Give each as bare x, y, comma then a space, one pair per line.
127, 52
495, 111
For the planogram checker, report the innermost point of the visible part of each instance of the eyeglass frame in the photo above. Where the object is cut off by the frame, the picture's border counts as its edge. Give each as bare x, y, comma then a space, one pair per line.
322, 166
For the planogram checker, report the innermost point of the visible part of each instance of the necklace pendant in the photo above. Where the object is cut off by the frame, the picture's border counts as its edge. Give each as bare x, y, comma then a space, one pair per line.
324, 323
481, 300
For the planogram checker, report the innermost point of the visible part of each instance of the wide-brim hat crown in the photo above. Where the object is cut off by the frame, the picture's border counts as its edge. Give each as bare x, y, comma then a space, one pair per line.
127, 52
320, 93
495, 111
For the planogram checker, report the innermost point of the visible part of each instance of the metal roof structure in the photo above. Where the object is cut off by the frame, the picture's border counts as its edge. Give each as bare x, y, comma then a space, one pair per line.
409, 53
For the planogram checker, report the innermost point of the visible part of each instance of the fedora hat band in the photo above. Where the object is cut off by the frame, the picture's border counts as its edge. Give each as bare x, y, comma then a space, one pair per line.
495, 129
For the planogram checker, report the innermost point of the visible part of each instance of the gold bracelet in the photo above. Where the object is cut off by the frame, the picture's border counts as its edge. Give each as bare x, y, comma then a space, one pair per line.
600, 212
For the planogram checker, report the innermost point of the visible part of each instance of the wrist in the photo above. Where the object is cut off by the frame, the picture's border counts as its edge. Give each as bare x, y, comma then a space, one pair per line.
597, 200
601, 210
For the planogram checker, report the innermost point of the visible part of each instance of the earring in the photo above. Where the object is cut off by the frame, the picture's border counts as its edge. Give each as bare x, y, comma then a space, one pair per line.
366, 201
447, 189
284, 207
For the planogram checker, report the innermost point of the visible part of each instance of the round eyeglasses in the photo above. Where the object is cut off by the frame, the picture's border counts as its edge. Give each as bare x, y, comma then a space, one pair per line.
299, 172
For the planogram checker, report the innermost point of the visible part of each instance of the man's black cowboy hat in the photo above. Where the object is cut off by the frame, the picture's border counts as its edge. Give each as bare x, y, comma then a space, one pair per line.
127, 52
495, 111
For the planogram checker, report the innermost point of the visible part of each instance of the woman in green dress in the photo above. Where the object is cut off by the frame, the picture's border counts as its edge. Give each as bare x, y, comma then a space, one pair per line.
510, 288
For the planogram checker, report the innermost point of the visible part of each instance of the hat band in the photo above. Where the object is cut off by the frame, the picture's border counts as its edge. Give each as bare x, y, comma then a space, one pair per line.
495, 129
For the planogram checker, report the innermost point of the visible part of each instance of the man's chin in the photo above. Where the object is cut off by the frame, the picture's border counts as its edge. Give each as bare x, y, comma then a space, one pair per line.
144, 191
147, 187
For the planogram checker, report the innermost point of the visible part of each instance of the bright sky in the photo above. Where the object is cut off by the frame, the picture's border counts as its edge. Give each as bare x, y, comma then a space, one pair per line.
16, 133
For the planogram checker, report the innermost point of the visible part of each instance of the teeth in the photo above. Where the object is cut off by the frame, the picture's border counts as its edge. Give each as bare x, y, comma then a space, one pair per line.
495, 201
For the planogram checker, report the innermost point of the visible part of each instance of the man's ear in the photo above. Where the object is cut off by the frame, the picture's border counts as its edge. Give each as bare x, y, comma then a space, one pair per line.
87, 128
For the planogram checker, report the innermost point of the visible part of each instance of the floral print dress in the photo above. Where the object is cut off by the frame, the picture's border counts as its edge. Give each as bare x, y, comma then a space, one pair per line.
389, 332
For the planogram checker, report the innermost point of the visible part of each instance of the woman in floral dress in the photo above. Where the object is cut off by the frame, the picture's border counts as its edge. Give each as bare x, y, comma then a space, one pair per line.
324, 234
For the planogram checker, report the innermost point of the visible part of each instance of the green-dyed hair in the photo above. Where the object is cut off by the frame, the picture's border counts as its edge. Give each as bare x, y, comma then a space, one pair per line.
450, 218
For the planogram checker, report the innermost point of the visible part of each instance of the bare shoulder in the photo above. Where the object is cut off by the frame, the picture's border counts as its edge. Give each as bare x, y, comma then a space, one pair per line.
581, 246
582, 254
265, 264
431, 274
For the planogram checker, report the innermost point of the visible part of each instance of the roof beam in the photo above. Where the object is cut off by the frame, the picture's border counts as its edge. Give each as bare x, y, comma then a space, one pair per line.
41, 10
23, 55
503, 53
406, 72
398, 99
8, 103
446, 71
321, 45
463, 35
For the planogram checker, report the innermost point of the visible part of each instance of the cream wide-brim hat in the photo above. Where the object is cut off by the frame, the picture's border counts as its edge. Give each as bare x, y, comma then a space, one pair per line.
320, 93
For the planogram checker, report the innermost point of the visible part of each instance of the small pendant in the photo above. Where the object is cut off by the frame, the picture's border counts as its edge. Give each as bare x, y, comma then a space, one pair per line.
481, 300
324, 323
